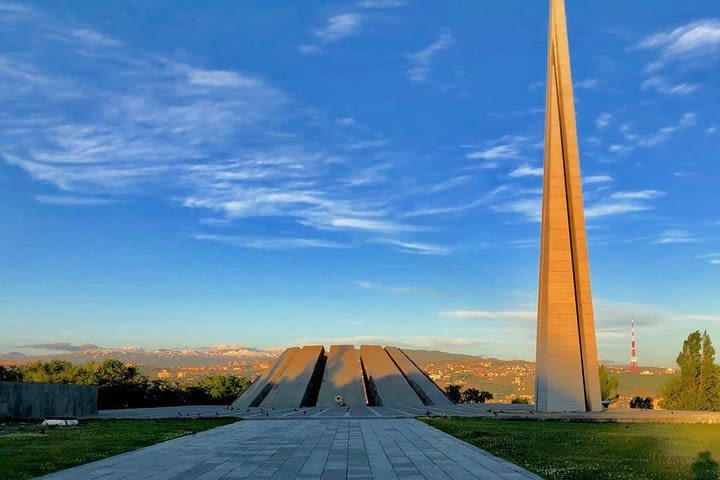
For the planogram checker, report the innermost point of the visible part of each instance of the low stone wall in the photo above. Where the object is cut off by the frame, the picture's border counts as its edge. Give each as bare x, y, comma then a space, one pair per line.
41, 400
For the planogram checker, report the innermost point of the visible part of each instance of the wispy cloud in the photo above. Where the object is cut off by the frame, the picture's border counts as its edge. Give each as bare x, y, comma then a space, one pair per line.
450, 183
603, 120
339, 26
382, 3
604, 209
60, 347
663, 134
491, 314
383, 226
594, 179
420, 61
72, 200
587, 83
637, 195
507, 147
712, 258
225, 143
686, 43
400, 290
530, 208
661, 85
221, 78
269, 243
95, 38
499, 151
527, 171
335, 28
417, 248
675, 236
623, 202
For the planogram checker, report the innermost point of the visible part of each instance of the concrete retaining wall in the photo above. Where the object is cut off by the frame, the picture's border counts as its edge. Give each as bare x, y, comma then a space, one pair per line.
41, 400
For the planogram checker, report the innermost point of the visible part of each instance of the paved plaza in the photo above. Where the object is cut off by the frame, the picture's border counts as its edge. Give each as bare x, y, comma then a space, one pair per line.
476, 410
352, 448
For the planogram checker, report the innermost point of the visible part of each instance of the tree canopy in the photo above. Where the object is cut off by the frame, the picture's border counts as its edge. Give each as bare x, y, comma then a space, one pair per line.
698, 385
608, 384
122, 386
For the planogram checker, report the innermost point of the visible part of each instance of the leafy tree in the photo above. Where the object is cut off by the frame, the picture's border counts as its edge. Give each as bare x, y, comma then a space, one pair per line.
608, 384
223, 388
520, 400
453, 393
698, 385
471, 395
124, 386
643, 403
485, 396
10, 374
54, 371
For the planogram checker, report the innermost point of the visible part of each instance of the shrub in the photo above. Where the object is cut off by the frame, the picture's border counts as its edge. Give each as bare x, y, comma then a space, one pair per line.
642, 403
520, 400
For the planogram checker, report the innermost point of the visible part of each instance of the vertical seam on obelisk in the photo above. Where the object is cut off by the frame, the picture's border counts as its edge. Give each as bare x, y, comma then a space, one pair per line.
571, 237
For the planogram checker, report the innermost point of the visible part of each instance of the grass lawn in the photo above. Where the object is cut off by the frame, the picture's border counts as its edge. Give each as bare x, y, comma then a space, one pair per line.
28, 450
596, 451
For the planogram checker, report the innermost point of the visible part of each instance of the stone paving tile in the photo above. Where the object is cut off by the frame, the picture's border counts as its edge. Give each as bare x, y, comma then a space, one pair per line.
326, 448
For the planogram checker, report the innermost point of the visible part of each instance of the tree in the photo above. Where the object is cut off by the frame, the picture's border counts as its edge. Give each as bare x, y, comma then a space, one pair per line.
608, 384
485, 396
10, 374
698, 385
453, 393
223, 388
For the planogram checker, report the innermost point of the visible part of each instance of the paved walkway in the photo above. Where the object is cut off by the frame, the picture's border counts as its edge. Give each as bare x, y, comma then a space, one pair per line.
358, 449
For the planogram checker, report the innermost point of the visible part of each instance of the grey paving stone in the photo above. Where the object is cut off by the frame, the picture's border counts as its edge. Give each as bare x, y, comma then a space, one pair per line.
330, 448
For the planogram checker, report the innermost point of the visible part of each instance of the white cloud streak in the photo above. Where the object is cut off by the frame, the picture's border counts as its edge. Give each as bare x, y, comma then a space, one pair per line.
339, 26
491, 314
420, 61
686, 43
661, 85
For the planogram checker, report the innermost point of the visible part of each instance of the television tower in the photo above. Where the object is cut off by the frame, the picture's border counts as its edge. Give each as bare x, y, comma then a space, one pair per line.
633, 352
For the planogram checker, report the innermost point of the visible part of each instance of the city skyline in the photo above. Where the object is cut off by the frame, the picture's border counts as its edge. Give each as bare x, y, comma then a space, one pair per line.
348, 174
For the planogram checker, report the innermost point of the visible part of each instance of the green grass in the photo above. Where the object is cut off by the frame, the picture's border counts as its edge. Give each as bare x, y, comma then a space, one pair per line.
596, 451
29, 450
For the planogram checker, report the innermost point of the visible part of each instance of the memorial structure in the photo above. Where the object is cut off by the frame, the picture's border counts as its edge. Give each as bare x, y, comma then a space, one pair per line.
373, 376
567, 377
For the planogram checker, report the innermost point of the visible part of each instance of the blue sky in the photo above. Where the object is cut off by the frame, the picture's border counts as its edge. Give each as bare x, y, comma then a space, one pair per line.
184, 174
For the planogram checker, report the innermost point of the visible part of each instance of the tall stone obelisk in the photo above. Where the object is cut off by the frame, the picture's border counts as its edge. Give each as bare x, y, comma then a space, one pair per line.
567, 377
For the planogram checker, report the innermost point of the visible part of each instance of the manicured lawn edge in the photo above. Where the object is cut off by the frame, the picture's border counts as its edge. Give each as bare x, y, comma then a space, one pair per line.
30, 450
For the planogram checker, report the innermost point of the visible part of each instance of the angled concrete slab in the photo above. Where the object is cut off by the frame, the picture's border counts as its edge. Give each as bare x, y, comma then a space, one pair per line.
299, 383
343, 376
425, 388
387, 385
262, 385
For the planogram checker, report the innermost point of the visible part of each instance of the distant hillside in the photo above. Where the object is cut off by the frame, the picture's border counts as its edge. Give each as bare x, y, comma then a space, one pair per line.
436, 356
163, 357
